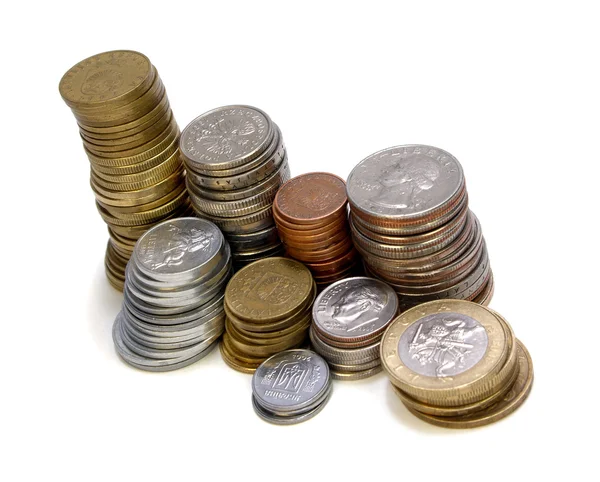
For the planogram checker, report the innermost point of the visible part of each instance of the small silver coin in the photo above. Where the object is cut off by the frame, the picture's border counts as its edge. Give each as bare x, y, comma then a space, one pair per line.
290, 380
289, 420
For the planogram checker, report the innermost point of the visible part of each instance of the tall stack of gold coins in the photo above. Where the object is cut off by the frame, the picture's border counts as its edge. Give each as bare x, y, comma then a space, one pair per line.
131, 139
268, 306
456, 364
411, 223
236, 161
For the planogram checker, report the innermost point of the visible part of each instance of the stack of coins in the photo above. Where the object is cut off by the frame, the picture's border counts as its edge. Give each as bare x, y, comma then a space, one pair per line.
268, 306
311, 215
131, 139
349, 318
411, 222
236, 161
456, 364
291, 387
174, 288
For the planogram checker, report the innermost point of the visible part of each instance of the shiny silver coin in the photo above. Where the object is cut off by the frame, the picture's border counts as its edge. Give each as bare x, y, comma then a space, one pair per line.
354, 309
290, 381
344, 355
288, 420
226, 137
351, 368
266, 237
404, 182
179, 249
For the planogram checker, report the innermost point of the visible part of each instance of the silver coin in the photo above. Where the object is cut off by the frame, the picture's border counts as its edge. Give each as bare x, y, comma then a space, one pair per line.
344, 355
290, 380
355, 308
226, 137
289, 420
265, 237
404, 182
344, 368
181, 249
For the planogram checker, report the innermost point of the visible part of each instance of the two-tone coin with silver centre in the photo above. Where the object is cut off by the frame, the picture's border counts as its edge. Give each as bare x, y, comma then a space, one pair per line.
173, 311
291, 387
349, 318
456, 363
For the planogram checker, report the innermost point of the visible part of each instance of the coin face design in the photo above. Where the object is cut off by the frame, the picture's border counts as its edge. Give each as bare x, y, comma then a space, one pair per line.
311, 196
179, 245
290, 379
355, 307
404, 180
105, 76
225, 134
443, 344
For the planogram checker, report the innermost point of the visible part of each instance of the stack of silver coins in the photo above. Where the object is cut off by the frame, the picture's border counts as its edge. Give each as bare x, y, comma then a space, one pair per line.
175, 281
411, 222
349, 319
236, 161
291, 387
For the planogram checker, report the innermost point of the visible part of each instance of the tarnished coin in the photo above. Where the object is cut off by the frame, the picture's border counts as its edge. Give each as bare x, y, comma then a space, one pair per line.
268, 290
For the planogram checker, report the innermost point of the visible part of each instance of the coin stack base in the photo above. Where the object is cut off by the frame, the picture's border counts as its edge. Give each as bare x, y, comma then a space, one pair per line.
456, 364
291, 387
173, 312
268, 306
311, 214
130, 136
349, 318
236, 161
411, 223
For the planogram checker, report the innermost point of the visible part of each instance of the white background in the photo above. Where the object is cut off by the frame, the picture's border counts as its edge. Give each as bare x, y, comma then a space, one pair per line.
511, 90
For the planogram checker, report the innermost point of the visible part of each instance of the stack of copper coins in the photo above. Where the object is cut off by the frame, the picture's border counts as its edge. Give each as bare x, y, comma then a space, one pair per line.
311, 215
131, 139
411, 222
268, 308
236, 161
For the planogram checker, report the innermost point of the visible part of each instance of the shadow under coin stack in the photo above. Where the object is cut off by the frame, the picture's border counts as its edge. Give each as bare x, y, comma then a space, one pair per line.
236, 161
411, 223
349, 318
291, 387
174, 288
456, 364
131, 139
311, 215
268, 306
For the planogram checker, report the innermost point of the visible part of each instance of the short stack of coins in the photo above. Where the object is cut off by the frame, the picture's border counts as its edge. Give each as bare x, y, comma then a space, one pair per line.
291, 387
349, 318
456, 364
311, 215
411, 223
174, 289
131, 139
268, 304
236, 161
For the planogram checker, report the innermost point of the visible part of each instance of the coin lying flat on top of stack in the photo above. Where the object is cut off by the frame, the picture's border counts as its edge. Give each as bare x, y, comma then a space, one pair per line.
349, 318
175, 281
456, 364
131, 139
311, 215
291, 387
268, 306
411, 222
236, 161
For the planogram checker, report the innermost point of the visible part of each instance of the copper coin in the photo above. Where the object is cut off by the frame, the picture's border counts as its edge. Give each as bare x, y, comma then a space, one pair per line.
310, 243
315, 230
333, 265
312, 197
317, 225
321, 256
